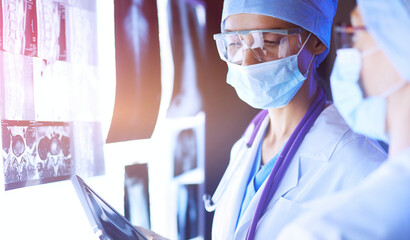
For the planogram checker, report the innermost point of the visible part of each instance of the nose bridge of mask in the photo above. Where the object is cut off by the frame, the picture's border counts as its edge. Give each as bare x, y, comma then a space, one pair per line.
396, 87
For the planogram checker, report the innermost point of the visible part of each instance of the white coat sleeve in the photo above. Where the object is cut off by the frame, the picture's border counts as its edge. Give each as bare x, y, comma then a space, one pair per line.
377, 208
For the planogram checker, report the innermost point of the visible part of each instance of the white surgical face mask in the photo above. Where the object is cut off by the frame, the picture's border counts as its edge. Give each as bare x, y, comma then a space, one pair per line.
364, 115
270, 84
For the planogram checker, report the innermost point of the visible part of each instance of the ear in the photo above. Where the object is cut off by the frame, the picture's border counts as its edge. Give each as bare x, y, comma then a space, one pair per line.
316, 46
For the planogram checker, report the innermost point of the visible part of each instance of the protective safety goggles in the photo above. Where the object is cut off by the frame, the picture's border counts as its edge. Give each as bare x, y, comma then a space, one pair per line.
345, 35
265, 45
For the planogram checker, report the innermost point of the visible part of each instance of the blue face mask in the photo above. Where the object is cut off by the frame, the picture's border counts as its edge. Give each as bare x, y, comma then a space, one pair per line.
364, 115
270, 84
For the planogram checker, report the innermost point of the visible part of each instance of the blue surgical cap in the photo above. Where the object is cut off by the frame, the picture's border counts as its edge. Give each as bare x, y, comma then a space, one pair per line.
388, 21
316, 16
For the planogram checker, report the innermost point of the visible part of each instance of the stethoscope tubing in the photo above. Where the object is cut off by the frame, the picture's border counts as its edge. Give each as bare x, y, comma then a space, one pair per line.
211, 203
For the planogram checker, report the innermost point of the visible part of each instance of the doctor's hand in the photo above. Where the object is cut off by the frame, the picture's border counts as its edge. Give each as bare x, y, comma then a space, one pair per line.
150, 234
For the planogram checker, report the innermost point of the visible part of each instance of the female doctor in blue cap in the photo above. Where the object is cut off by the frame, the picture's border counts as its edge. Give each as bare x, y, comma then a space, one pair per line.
371, 87
298, 147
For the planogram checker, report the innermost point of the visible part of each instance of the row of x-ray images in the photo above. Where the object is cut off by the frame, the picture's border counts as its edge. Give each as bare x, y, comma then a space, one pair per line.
42, 152
35, 152
48, 66
45, 28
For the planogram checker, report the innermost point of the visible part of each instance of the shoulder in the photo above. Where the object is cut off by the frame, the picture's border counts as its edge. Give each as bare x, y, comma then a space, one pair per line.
353, 143
345, 152
361, 212
331, 136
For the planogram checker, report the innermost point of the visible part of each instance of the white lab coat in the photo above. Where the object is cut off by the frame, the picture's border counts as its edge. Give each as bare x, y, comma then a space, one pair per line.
378, 208
331, 158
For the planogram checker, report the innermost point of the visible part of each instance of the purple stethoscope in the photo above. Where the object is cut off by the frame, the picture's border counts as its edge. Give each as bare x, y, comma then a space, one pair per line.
285, 157
282, 162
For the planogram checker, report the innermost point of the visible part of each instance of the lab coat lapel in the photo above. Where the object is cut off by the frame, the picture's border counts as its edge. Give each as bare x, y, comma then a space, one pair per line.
237, 187
289, 181
237, 192
247, 216
231, 201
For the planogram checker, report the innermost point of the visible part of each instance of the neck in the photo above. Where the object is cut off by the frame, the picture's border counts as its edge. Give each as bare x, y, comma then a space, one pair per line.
398, 119
283, 121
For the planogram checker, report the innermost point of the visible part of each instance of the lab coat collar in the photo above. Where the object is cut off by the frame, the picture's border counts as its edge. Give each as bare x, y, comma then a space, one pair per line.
328, 140
323, 151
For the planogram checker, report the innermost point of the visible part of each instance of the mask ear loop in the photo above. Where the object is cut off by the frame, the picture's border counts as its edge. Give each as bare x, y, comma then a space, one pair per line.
396, 87
311, 60
310, 64
304, 44
370, 51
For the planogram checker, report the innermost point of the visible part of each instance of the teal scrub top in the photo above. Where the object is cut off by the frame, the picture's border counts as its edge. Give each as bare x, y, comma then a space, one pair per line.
256, 178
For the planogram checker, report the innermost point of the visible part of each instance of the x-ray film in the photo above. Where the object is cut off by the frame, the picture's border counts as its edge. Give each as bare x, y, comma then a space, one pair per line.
35, 152
16, 85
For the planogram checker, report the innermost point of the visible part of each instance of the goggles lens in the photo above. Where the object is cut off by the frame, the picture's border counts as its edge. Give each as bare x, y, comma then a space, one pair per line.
265, 45
345, 35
